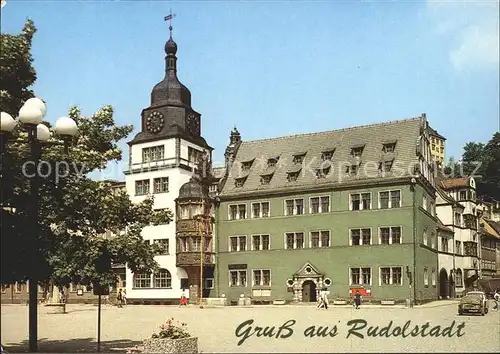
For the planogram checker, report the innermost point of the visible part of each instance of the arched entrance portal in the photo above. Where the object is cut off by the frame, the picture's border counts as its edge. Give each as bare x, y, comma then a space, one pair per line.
309, 291
443, 284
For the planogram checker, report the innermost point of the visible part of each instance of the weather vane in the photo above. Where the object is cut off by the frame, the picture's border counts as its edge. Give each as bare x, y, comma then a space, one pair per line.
169, 18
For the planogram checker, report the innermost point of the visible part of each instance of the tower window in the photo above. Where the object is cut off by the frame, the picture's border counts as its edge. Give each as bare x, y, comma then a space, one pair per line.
142, 187
153, 153
160, 185
193, 155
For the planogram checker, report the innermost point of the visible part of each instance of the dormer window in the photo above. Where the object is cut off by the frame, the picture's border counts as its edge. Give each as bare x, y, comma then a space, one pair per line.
351, 170
389, 147
239, 182
327, 155
323, 172
293, 176
298, 158
246, 165
385, 166
272, 162
357, 151
266, 179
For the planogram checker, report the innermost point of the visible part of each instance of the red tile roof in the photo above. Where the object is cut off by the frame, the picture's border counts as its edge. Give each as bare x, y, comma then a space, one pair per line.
452, 183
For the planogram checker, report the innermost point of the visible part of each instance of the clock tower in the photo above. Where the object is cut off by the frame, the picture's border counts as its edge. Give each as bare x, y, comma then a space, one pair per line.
163, 156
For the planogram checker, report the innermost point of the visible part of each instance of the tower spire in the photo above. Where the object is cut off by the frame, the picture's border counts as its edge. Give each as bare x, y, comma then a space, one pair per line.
169, 18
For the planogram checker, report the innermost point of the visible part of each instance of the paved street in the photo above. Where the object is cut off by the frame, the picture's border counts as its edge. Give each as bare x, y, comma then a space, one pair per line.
215, 327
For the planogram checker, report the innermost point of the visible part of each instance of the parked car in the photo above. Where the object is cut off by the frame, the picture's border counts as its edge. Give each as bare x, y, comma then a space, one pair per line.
473, 302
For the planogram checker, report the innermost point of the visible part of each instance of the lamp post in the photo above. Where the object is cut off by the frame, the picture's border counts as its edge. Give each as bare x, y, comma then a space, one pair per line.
30, 117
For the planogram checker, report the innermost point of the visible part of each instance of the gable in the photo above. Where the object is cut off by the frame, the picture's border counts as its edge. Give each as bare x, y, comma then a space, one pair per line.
308, 270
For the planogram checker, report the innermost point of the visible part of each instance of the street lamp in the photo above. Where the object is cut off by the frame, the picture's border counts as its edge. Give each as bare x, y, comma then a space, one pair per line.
30, 116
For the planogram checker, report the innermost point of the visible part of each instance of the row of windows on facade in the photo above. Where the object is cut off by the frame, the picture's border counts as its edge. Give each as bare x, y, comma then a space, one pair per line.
143, 187
321, 204
157, 153
357, 276
326, 155
317, 239
184, 244
19, 288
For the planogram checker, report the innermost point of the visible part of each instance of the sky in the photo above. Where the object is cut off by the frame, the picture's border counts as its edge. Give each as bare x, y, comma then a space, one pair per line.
273, 68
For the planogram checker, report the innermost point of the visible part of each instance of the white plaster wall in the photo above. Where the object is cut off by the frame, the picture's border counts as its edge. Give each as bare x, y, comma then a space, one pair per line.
445, 261
444, 213
136, 150
177, 177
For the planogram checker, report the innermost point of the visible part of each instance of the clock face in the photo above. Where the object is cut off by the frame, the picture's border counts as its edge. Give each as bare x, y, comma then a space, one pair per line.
193, 124
155, 122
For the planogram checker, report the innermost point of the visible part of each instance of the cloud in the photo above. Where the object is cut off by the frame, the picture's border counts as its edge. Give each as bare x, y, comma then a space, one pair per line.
472, 29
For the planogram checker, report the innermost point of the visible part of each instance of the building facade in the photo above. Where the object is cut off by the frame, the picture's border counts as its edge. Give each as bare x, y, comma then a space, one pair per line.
162, 158
437, 144
345, 210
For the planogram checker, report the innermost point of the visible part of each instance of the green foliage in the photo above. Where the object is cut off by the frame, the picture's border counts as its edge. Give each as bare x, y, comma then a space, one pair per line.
74, 211
172, 330
483, 162
16, 72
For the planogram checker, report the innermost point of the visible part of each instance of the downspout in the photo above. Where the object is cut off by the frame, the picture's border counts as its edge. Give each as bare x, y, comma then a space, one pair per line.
413, 183
216, 245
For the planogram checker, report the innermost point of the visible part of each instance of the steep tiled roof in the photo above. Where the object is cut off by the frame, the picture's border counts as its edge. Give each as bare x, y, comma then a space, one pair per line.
251, 161
493, 225
218, 172
452, 183
435, 133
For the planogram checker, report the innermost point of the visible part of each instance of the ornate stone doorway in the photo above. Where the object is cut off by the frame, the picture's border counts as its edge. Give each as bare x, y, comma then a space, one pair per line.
306, 283
309, 291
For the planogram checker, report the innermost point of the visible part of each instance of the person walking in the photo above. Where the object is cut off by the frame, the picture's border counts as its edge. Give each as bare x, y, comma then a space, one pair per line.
124, 297
496, 299
357, 300
119, 298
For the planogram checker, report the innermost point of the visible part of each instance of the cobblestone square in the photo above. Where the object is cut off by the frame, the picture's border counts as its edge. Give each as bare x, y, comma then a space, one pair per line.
126, 327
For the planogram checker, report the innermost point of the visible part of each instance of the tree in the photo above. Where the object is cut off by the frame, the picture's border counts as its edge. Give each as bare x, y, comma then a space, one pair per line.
75, 210
16, 72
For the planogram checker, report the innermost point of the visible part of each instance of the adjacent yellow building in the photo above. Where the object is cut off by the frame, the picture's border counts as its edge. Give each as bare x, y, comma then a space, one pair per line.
437, 147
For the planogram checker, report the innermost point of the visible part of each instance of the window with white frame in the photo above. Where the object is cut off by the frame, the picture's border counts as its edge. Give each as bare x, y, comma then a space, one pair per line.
163, 245
294, 207
153, 153
433, 277
390, 235
237, 278
209, 283
425, 237
160, 185
237, 211
433, 240
261, 277
142, 280
18, 287
294, 240
360, 201
260, 242
319, 239
142, 187
458, 219
424, 202
459, 277
360, 276
426, 277
260, 210
359, 237
237, 243
432, 208
389, 199
162, 279
458, 247
391, 276
193, 155
319, 205
445, 244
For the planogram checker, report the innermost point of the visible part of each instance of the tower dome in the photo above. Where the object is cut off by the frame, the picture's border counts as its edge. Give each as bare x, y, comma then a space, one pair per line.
191, 189
170, 91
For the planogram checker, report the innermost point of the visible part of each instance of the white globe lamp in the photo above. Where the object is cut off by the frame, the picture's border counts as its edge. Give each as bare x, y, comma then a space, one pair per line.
7, 123
30, 115
66, 126
42, 133
38, 103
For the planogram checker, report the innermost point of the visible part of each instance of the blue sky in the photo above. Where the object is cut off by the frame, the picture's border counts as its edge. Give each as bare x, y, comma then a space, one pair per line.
274, 68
